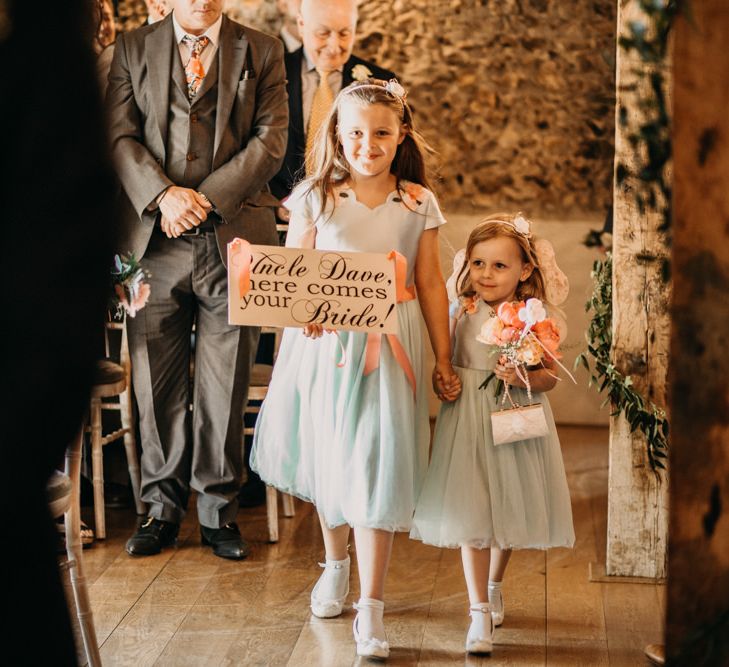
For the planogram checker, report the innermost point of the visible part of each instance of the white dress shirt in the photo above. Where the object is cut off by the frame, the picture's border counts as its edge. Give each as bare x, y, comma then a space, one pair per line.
208, 53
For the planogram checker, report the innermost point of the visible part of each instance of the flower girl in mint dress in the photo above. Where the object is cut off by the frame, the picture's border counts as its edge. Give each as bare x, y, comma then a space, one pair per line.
354, 439
483, 498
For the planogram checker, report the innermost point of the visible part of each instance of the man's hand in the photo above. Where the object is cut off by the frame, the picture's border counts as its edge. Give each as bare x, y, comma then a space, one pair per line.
283, 214
183, 207
172, 230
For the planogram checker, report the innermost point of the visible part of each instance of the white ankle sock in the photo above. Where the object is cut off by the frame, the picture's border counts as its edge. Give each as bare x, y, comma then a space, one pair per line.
334, 581
369, 618
496, 601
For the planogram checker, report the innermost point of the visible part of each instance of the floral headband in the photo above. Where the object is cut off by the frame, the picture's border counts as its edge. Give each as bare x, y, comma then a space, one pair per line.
393, 87
519, 224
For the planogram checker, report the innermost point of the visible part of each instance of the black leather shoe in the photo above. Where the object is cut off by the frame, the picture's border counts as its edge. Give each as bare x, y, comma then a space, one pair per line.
226, 541
152, 536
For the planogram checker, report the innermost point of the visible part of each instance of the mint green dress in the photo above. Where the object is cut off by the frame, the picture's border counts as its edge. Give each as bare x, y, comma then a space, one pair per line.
483, 495
354, 445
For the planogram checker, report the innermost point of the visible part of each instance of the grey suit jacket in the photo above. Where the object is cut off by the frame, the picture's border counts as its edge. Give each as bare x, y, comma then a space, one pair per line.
251, 126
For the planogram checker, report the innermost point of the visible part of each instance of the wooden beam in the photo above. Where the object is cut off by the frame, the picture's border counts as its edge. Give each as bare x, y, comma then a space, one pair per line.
698, 584
637, 501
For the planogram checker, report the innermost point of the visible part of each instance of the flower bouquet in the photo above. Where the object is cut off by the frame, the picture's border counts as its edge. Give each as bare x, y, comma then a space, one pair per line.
523, 334
129, 290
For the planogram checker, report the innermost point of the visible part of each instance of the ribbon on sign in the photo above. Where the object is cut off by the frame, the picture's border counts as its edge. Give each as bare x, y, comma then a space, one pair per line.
373, 349
239, 257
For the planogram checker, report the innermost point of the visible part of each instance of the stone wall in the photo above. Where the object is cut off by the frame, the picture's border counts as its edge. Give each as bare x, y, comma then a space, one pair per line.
516, 96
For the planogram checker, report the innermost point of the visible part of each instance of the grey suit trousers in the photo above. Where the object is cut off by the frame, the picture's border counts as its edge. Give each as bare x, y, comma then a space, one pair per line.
202, 449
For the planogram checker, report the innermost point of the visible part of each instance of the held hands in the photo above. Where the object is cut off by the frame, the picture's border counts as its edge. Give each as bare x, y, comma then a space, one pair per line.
446, 384
182, 209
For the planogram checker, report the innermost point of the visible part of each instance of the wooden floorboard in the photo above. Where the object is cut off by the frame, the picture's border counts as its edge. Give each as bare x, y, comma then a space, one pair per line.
187, 607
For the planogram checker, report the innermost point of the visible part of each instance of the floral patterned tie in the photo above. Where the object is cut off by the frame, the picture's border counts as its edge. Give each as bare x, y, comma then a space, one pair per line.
194, 71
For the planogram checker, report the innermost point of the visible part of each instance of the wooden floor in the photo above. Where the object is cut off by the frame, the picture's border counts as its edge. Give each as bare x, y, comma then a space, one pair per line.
188, 607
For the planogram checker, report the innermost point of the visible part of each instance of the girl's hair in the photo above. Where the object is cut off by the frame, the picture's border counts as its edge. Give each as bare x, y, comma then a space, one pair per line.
330, 167
493, 227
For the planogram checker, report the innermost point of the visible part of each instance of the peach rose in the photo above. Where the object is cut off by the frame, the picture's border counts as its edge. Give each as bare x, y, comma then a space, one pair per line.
510, 335
548, 334
509, 314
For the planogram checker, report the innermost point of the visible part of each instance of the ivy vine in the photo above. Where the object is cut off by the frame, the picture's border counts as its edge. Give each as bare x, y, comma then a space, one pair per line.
621, 394
649, 131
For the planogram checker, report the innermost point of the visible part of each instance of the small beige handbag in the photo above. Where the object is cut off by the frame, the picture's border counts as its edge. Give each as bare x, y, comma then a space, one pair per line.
519, 423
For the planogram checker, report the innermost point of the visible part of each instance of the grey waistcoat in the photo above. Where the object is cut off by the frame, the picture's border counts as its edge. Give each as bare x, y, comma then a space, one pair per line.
191, 128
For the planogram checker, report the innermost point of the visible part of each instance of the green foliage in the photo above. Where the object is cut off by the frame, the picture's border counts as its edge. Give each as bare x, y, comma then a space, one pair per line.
620, 392
126, 281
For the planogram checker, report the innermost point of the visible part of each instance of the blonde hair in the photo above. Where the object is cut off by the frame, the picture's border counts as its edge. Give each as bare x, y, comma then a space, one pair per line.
502, 225
329, 165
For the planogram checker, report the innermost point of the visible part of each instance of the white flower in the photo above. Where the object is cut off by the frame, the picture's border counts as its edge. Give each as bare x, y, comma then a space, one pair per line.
361, 72
521, 224
490, 333
393, 87
529, 353
532, 313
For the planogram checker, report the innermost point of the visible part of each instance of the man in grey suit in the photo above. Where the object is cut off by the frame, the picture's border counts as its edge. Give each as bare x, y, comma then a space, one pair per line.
198, 124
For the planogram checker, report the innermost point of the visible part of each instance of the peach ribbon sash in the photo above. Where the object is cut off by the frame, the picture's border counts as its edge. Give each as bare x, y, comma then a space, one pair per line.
239, 257
374, 340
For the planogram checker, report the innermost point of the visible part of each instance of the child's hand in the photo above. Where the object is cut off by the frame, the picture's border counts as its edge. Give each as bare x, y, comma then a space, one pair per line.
446, 384
506, 372
313, 330
316, 330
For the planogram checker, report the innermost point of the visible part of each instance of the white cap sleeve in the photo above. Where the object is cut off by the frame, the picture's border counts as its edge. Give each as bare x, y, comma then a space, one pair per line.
433, 215
302, 230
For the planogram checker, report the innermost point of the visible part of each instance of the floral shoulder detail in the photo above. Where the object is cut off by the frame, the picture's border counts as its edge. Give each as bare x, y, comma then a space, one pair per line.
361, 72
470, 303
463, 305
413, 194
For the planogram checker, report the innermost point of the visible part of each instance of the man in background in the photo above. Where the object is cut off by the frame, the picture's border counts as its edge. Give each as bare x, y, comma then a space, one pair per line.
325, 63
289, 34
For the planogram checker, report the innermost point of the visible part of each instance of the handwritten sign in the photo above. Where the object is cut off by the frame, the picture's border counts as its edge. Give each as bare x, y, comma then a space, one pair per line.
291, 287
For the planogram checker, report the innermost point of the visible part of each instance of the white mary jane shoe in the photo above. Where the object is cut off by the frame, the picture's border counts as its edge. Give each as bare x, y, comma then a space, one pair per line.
370, 647
480, 634
335, 577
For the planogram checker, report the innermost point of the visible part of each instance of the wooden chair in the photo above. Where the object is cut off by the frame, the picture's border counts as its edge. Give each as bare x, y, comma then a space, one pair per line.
127, 411
78, 596
112, 380
257, 390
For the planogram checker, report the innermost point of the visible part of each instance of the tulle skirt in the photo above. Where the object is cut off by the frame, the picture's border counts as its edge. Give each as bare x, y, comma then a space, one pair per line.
476, 493
354, 445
